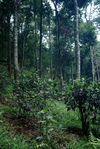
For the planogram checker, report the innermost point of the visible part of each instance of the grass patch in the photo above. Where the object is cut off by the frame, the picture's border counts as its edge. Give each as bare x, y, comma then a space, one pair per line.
58, 118
63, 117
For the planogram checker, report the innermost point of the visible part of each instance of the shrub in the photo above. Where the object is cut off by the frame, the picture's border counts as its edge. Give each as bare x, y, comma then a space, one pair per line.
85, 97
5, 83
32, 92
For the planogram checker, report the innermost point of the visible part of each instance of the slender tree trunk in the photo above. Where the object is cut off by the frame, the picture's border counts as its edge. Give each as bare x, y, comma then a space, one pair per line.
2, 40
22, 46
23, 53
92, 62
57, 34
9, 47
57, 43
40, 52
76, 34
96, 63
61, 76
72, 72
83, 66
50, 49
16, 68
57, 73
35, 44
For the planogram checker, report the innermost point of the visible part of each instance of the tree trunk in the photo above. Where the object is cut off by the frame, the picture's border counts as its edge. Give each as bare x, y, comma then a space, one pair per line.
16, 68
58, 68
76, 38
23, 53
2, 39
92, 62
72, 72
9, 47
96, 63
35, 44
57, 41
61, 76
40, 52
57, 34
85, 123
50, 49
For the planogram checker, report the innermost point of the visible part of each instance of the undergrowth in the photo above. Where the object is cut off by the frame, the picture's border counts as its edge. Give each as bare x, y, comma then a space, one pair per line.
35, 103
57, 120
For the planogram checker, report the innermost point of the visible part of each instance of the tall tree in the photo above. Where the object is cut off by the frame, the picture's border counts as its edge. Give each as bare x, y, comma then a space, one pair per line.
97, 17
40, 52
57, 41
76, 34
97, 60
35, 32
50, 48
92, 61
16, 67
9, 47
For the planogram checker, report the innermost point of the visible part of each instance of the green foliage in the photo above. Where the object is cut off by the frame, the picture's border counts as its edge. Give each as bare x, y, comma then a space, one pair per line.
87, 34
93, 142
85, 97
64, 118
54, 122
32, 92
5, 83
9, 143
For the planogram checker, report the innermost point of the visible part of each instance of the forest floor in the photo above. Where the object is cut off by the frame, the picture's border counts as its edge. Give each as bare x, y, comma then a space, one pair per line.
23, 131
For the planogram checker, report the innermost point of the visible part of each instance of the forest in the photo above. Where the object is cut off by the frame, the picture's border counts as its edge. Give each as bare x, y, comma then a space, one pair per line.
49, 74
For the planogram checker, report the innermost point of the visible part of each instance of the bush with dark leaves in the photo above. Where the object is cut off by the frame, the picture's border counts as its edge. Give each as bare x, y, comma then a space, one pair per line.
86, 98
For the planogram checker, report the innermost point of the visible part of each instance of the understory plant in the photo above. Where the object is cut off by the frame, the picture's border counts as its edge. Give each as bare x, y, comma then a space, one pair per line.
5, 84
85, 97
32, 92
93, 142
